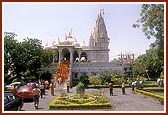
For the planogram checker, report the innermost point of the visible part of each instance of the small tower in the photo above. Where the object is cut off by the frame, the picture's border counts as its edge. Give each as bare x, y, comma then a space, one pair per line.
91, 41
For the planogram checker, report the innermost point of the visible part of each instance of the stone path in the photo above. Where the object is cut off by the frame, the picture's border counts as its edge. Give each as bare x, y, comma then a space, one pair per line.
127, 103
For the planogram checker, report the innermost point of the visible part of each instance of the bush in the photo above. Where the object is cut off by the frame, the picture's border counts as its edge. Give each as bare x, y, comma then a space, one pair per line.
84, 79
80, 88
117, 80
139, 85
95, 80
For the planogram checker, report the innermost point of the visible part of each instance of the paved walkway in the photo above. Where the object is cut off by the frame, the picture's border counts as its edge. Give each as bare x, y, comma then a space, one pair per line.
129, 102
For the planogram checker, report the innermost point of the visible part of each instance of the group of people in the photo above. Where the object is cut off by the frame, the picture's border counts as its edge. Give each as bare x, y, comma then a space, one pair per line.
111, 88
40, 91
133, 84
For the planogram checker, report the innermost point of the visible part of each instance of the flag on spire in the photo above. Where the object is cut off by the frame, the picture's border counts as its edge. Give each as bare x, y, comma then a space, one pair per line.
102, 12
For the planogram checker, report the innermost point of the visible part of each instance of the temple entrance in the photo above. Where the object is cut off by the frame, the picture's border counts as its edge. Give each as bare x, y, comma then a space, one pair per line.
66, 54
62, 73
75, 56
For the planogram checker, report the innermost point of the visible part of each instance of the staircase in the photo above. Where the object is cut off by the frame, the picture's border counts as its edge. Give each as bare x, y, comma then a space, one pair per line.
63, 71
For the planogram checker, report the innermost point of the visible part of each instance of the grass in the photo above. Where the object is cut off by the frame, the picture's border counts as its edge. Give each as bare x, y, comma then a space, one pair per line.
157, 93
150, 82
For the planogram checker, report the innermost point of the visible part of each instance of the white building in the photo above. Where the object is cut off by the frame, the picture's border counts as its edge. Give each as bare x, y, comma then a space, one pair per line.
86, 59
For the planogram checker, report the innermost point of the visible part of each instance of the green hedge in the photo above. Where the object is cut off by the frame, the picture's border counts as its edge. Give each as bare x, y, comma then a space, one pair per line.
53, 106
118, 86
150, 85
105, 86
159, 97
154, 89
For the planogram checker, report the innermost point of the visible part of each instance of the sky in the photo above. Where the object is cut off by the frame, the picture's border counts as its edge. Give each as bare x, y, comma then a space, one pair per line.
48, 21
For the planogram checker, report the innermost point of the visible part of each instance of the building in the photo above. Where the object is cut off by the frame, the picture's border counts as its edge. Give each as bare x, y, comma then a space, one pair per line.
83, 59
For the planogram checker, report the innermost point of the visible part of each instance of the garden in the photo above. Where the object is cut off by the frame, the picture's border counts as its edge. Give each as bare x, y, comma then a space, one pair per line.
82, 101
77, 101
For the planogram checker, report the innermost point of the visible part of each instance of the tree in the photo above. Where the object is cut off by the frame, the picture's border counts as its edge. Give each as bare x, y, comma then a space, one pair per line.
47, 56
10, 46
152, 21
24, 59
29, 57
139, 68
46, 76
148, 64
153, 63
105, 76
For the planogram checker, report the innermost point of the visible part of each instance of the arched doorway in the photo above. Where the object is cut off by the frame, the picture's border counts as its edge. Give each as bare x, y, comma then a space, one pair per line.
66, 54
83, 56
75, 56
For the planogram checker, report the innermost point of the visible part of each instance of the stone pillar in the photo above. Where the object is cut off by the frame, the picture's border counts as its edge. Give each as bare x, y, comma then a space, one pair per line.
59, 51
71, 56
79, 55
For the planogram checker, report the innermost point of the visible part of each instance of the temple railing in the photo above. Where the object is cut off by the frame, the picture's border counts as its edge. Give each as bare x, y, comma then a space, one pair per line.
96, 66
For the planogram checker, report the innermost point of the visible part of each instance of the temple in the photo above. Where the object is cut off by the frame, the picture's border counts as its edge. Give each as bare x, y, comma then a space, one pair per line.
74, 59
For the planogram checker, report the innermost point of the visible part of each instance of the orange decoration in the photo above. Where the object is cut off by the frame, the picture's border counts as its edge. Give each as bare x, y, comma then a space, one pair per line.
63, 71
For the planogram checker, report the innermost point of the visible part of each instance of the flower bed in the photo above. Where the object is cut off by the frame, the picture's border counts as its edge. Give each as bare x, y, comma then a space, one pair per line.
77, 101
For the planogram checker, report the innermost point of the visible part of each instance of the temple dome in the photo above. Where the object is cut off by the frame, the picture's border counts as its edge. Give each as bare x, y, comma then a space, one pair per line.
76, 44
84, 45
70, 39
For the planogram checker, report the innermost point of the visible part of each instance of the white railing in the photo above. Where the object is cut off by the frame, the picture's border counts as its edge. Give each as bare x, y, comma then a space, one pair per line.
96, 66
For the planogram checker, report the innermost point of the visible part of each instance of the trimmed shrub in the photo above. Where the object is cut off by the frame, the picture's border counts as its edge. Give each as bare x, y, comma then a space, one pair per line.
80, 89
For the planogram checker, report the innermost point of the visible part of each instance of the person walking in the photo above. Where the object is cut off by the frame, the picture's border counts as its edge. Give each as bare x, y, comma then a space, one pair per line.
133, 85
68, 85
36, 94
52, 88
111, 88
42, 89
59, 81
43, 82
123, 88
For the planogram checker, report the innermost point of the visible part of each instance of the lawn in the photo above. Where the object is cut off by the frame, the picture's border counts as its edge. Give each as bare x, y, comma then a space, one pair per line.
158, 91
